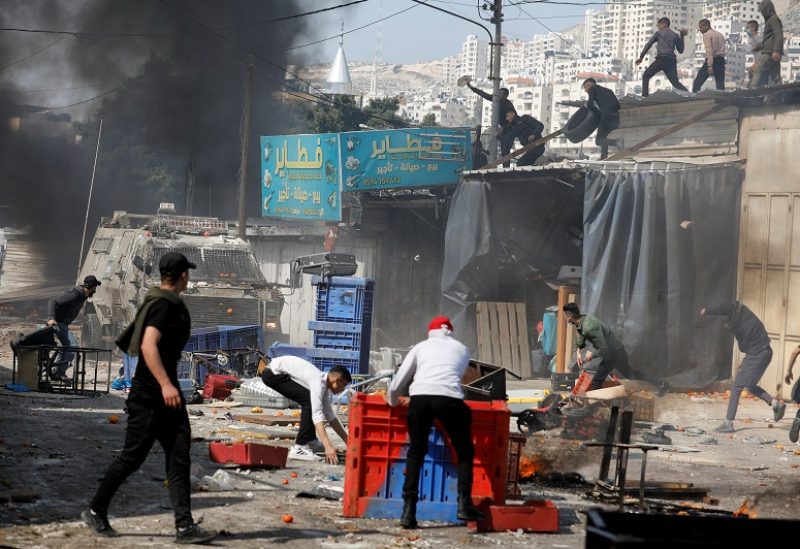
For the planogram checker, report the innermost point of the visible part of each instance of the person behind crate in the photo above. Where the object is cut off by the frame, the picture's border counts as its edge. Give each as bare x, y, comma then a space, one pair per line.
304, 383
156, 407
431, 374
607, 346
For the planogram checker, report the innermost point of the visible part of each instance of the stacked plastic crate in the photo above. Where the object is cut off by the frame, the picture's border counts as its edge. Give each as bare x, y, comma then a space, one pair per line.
343, 323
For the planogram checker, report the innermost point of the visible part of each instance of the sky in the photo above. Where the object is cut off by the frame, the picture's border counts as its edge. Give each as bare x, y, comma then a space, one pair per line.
422, 33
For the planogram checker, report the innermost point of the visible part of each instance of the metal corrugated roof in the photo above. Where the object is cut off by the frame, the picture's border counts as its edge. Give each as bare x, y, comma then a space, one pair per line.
663, 97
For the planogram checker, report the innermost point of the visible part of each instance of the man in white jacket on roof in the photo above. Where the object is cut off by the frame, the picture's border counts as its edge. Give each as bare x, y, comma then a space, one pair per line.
431, 374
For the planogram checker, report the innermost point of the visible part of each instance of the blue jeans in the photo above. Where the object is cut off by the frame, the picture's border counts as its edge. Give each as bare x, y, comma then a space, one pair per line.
62, 359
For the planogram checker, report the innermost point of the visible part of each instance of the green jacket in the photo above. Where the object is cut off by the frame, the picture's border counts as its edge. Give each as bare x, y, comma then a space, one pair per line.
130, 339
599, 335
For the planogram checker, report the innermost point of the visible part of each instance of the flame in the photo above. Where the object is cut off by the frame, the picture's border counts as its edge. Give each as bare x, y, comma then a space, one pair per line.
528, 468
745, 510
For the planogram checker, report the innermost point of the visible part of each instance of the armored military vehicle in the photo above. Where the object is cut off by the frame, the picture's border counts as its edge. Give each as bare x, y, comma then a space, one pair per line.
226, 289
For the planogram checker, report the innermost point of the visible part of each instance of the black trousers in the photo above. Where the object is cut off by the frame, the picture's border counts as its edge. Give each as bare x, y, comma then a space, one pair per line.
285, 385
506, 143
608, 123
665, 63
150, 420
456, 418
750, 372
530, 157
719, 75
618, 360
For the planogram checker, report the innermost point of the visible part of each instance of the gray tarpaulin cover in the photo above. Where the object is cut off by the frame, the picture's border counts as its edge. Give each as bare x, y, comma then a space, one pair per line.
524, 219
660, 242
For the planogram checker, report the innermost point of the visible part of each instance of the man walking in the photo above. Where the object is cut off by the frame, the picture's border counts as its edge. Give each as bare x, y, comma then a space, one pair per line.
156, 408
768, 65
667, 41
608, 347
754, 44
311, 388
504, 106
431, 374
527, 129
604, 104
714, 44
753, 341
61, 311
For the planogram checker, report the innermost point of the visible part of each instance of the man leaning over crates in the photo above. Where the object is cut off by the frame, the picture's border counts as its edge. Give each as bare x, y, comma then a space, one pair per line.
431, 374
304, 383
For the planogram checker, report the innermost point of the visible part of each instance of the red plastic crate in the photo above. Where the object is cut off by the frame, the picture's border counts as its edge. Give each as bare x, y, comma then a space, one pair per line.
531, 516
585, 381
215, 386
376, 456
248, 453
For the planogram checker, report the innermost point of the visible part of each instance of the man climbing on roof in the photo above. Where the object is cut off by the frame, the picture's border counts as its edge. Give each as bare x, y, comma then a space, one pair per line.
605, 106
667, 41
768, 65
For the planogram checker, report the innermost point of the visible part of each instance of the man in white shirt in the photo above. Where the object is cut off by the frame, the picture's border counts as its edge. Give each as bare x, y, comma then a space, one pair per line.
431, 374
714, 43
304, 383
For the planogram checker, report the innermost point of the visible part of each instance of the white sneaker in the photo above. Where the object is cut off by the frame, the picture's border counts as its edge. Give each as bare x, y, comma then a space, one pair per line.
316, 446
303, 453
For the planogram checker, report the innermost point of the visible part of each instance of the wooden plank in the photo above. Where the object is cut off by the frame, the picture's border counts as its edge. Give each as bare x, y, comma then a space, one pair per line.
669, 131
484, 342
513, 338
494, 325
523, 150
525, 349
504, 340
267, 420
561, 331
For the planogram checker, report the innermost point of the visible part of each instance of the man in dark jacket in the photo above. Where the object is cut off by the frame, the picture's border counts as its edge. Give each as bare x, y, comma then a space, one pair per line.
605, 106
61, 311
768, 65
753, 341
667, 41
504, 105
527, 129
156, 407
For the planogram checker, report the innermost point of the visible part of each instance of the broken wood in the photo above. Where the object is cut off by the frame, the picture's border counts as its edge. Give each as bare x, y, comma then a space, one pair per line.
669, 131
267, 420
523, 150
503, 337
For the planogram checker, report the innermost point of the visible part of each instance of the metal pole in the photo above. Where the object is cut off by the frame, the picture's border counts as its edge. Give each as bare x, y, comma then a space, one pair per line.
89, 202
497, 19
245, 129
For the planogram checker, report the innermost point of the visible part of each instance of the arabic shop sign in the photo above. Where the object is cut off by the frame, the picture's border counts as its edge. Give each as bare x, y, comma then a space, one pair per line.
300, 177
413, 157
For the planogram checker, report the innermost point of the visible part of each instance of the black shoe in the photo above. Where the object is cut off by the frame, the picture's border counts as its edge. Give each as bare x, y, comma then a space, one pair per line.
98, 524
662, 389
409, 519
194, 534
468, 512
794, 431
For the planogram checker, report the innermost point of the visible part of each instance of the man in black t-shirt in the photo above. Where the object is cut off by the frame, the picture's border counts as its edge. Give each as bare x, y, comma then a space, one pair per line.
156, 408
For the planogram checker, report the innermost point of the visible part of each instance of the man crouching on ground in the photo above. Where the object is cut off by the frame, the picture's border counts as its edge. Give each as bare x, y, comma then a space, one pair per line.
301, 381
156, 407
431, 374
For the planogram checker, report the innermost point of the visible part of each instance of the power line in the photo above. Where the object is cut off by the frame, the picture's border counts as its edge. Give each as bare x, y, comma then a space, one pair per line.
40, 50
171, 34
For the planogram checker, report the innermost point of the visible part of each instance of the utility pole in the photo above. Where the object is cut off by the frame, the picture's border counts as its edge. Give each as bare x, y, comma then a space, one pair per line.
89, 201
497, 19
244, 128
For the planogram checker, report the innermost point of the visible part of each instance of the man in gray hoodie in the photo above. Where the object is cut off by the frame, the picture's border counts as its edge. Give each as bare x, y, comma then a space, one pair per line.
768, 64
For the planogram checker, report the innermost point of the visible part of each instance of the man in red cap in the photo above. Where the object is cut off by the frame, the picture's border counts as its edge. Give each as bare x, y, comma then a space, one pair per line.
431, 375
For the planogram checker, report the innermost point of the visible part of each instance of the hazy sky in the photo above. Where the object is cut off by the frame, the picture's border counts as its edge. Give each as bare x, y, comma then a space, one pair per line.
423, 34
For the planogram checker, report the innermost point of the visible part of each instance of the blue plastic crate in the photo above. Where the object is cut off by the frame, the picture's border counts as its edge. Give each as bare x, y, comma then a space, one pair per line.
284, 349
343, 299
241, 337
353, 366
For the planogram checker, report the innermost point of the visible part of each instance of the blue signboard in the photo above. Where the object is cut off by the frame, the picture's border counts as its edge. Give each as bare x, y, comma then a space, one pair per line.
300, 177
413, 157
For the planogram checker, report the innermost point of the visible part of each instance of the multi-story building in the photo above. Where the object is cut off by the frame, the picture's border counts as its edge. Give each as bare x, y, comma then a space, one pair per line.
449, 111
475, 57
743, 10
513, 59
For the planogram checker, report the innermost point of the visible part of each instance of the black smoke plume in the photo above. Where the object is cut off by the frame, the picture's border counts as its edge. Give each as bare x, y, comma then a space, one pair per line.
178, 99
